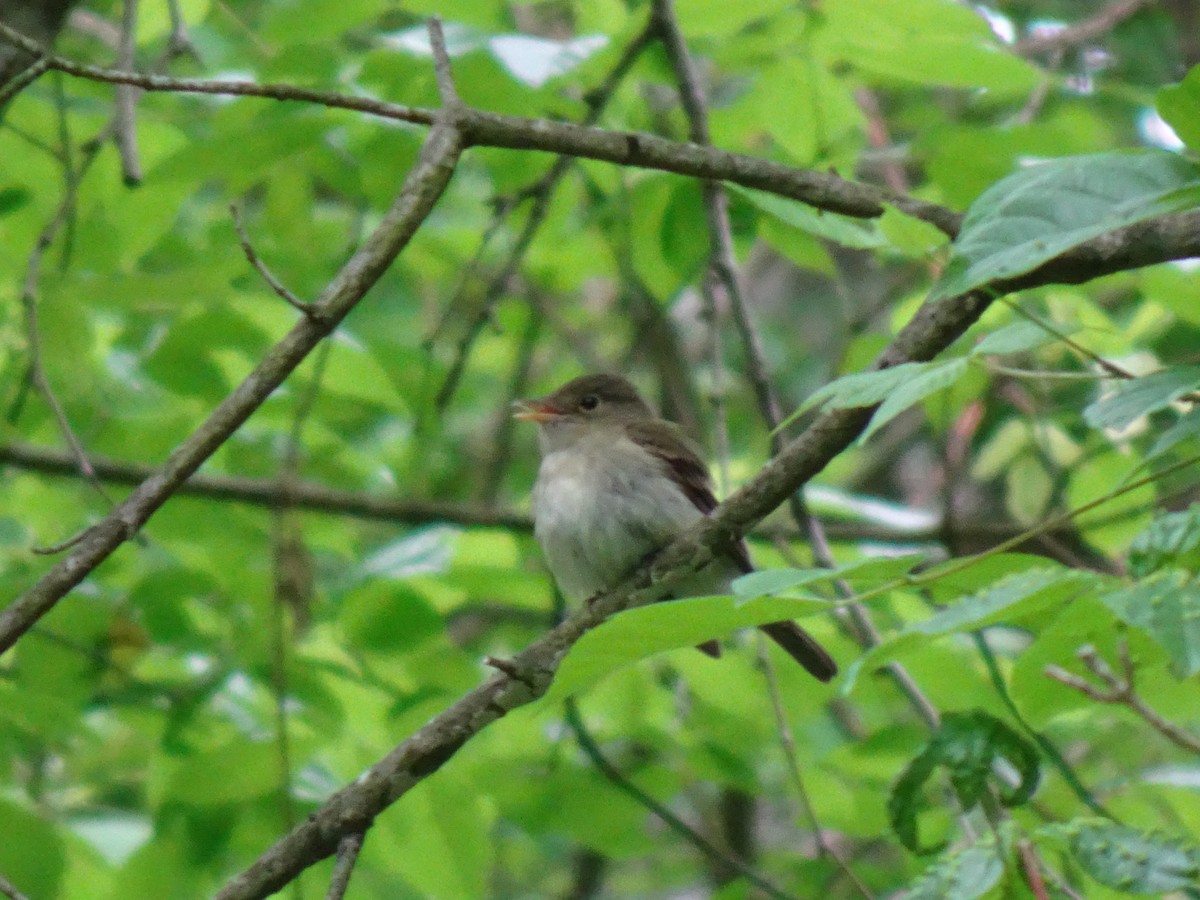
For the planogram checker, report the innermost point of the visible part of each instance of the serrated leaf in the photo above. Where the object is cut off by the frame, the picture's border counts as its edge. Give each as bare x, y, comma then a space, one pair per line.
1133, 861
1042, 211
1009, 598
961, 875
914, 390
1132, 399
967, 745
1167, 542
1017, 337
1179, 105
1167, 607
1015, 595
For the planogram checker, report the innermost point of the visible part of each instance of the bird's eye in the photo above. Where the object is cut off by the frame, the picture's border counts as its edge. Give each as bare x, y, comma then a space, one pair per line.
589, 402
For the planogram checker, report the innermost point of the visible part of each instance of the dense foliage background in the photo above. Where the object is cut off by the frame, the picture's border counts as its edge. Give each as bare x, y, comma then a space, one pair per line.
1027, 723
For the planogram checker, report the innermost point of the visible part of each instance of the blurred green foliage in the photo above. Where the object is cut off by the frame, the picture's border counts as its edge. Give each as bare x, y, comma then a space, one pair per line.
210, 685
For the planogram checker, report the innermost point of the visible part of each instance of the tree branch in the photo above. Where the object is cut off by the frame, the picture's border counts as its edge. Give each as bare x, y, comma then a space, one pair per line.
1122, 691
421, 191
480, 128
527, 676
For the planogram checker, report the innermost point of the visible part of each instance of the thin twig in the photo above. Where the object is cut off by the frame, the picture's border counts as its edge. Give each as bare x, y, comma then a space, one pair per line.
260, 267
1082, 32
18, 83
37, 371
9, 890
125, 118
725, 265
1047, 746
540, 193
589, 746
347, 856
1120, 689
424, 185
792, 758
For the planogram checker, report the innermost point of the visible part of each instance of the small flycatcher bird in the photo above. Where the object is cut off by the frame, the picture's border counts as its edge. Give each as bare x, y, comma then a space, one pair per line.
617, 483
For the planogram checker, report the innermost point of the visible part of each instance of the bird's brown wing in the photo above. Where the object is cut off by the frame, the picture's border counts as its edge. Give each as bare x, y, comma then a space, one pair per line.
666, 441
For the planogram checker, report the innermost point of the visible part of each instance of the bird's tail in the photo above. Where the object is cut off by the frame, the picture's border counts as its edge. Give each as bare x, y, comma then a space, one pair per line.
803, 648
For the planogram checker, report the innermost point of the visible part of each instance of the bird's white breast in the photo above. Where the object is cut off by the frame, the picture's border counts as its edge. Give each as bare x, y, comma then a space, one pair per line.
600, 507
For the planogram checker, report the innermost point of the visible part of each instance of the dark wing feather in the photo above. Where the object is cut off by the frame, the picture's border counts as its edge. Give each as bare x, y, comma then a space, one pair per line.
666, 441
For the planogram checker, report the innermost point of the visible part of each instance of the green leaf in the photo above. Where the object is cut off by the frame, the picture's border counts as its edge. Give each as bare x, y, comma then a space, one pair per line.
962, 874
863, 573
1042, 211
859, 234
913, 390
31, 854
921, 41
1167, 606
1133, 861
235, 773
1167, 542
385, 617
862, 388
966, 745
1180, 106
638, 633
1009, 598
1186, 428
1017, 337
1130, 400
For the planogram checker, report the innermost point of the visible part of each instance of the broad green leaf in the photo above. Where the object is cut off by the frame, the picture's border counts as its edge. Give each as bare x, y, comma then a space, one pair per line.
1180, 106
1017, 337
966, 745
1167, 606
638, 633
933, 42
1134, 861
1131, 400
1169, 541
933, 379
857, 233
1044, 210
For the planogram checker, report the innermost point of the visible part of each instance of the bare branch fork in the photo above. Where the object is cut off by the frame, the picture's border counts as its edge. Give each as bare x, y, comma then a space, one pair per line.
1121, 690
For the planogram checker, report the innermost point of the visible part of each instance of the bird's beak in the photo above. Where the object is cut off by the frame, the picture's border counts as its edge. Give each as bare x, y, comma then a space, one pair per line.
539, 410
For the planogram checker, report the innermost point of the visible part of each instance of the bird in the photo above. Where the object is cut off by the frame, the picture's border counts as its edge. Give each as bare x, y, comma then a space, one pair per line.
615, 485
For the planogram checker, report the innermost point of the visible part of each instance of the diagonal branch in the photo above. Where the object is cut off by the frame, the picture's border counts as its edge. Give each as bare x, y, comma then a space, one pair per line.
421, 191
527, 676
479, 128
